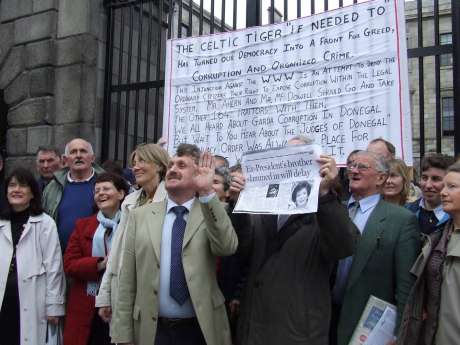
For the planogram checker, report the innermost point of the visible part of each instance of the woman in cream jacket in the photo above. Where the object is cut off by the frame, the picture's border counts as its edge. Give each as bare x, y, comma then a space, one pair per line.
149, 163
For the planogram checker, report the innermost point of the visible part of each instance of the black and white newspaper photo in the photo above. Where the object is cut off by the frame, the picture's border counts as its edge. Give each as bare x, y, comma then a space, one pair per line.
280, 181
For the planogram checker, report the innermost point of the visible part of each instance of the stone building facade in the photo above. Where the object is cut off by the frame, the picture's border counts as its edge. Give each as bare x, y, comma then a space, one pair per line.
51, 73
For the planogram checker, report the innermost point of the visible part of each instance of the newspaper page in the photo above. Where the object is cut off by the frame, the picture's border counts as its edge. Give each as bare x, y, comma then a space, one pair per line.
383, 331
281, 181
373, 312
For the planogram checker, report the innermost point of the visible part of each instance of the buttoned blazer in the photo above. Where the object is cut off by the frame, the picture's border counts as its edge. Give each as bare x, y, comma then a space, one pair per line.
208, 234
386, 251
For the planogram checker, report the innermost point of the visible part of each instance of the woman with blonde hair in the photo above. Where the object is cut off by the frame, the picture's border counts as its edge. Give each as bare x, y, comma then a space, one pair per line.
149, 163
397, 186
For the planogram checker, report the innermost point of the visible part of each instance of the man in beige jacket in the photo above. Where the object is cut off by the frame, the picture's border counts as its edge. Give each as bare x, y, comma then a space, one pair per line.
168, 292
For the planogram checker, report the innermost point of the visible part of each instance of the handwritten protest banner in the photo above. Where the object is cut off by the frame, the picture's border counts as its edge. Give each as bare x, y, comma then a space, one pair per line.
339, 77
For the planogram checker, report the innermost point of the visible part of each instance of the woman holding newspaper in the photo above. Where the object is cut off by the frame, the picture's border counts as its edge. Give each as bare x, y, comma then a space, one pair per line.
432, 314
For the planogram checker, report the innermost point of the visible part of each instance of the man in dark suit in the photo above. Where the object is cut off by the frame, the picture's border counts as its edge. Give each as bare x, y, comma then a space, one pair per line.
388, 247
286, 299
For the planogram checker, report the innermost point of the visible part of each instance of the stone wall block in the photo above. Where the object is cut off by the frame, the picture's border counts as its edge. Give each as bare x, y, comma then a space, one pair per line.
38, 136
43, 5
43, 25
88, 94
18, 90
64, 133
42, 81
67, 94
99, 115
40, 54
6, 40
32, 111
73, 17
69, 51
13, 66
11, 9
16, 141
98, 19
76, 49
90, 50
27, 162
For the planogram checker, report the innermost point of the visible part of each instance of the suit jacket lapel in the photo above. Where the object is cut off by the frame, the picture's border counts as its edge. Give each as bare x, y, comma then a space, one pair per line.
155, 224
372, 231
194, 220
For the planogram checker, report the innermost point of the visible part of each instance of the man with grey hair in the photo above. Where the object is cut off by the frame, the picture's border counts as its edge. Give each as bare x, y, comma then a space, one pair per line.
382, 147
70, 195
385, 253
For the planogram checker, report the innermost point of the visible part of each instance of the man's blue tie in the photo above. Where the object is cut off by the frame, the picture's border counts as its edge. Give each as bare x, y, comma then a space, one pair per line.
177, 284
344, 266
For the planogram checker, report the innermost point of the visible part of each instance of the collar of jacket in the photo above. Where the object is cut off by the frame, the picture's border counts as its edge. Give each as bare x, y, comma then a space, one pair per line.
32, 219
415, 207
61, 175
429, 242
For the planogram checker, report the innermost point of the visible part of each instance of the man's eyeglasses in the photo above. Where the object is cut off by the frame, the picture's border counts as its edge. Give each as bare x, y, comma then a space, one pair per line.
358, 166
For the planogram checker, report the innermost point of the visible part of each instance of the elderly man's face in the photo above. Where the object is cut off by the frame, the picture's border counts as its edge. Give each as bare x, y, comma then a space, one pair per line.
79, 158
364, 178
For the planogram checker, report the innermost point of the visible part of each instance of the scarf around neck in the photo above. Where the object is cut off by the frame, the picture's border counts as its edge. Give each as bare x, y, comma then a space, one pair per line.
102, 241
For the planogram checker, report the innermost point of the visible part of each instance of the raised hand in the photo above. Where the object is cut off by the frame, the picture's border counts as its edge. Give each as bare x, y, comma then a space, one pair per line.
328, 171
204, 176
237, 185
162, 142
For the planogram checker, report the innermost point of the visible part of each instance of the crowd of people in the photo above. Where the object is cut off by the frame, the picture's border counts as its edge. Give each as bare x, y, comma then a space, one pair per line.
153, 254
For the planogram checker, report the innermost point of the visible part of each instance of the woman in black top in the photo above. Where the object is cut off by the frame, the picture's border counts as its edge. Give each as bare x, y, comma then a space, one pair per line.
31, 273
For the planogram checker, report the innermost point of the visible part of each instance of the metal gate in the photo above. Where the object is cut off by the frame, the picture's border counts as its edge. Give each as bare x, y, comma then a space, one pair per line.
137, 31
